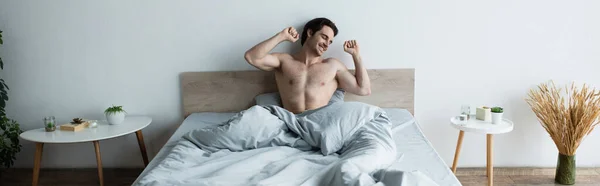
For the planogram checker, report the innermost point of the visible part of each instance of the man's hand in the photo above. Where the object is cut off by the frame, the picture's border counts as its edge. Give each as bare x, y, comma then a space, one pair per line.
289, 34
351, 47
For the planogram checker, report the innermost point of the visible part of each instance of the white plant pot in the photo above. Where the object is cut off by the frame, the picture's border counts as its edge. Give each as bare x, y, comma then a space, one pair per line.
115, 118
496, 118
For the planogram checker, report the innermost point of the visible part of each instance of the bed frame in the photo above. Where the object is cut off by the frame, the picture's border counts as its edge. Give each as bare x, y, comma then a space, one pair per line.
234, 91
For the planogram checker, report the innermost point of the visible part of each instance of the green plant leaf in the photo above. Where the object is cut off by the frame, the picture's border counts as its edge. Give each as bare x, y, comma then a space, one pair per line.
9, 141
1, 64
4, 96
5, 85
114, 109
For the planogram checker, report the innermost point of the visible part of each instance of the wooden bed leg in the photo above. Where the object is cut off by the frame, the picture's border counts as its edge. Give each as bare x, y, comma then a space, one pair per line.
140, 139
457, 152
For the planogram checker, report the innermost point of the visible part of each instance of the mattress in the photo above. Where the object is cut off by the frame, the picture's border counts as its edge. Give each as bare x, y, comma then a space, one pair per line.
415, 152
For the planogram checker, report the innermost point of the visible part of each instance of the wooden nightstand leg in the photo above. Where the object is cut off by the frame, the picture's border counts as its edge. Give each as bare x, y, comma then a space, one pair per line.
140, 139
99, 162
39, 148
457, 152
490, 167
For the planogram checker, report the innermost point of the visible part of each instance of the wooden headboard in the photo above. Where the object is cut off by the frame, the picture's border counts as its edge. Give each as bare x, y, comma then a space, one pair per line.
233, 91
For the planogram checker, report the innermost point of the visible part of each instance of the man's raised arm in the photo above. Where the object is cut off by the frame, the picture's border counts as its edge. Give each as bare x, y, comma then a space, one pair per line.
359, 83
259, 57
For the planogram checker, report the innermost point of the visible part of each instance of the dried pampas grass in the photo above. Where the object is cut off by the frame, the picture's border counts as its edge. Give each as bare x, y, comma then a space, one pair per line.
567, 116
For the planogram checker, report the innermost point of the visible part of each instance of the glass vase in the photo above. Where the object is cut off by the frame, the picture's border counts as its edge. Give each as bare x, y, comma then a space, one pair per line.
49, 123
466, 110
565, 169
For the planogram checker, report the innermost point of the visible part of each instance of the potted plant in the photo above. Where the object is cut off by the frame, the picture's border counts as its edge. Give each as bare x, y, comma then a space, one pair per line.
9, 129
50, 127
49, 123
568, 115
497, 115
115, 115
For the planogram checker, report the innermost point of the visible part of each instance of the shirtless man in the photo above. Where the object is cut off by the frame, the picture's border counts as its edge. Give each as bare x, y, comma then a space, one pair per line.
305, 80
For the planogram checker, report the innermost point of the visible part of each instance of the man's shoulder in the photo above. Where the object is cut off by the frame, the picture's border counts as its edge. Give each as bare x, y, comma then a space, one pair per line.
332, 60
282, 55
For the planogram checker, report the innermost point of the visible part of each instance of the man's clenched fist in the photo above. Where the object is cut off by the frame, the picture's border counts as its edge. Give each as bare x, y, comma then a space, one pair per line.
351, 47
290, 34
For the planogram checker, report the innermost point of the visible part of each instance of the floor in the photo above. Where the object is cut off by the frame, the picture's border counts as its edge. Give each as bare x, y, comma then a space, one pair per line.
118, 177
69, 177
524, 176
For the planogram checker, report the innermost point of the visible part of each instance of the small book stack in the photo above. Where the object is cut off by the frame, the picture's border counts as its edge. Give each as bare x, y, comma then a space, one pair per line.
76, 125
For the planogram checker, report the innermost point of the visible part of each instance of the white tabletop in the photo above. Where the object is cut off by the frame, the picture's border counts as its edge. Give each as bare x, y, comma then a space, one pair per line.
101, 132
479, 126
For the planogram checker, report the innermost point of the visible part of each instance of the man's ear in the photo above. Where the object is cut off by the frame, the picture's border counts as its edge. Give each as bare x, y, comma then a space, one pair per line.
309, 33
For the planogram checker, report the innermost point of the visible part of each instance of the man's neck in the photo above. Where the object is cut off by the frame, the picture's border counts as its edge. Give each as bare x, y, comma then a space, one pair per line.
307, 57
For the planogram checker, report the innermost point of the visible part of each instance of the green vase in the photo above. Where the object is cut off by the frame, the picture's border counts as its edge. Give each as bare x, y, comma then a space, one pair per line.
565, 169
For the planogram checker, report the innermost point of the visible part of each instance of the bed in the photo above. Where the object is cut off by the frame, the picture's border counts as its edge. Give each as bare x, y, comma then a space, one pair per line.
211, 98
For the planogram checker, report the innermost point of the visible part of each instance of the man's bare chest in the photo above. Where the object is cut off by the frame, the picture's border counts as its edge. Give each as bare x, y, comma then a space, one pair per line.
299, 73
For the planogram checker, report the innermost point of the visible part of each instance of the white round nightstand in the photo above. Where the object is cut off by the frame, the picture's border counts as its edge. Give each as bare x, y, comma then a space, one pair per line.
482, 127
132, 124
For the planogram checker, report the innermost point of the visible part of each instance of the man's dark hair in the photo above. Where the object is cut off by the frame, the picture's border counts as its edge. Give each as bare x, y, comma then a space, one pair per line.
315, 25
